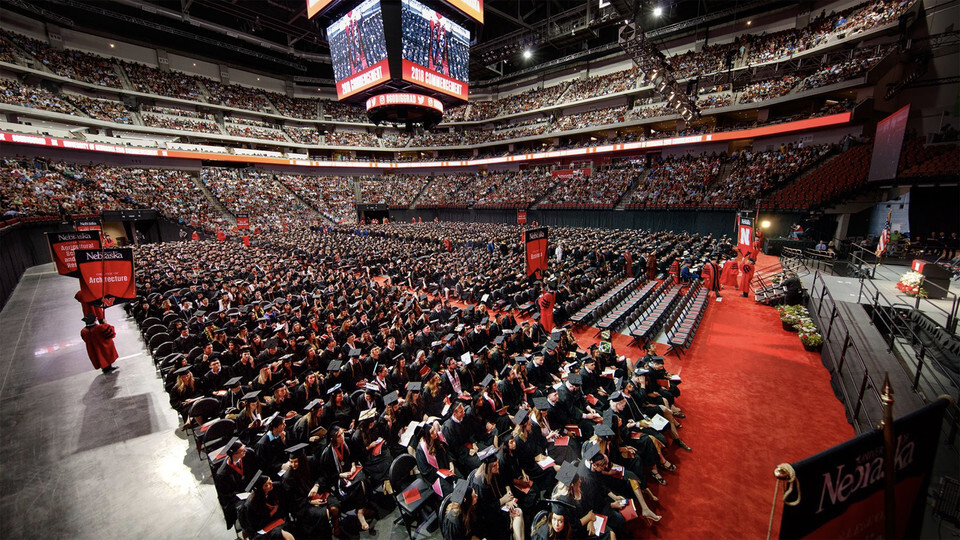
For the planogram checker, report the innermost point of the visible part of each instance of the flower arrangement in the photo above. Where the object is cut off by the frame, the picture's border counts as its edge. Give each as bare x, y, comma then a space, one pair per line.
910, 284
811, 340
797, 319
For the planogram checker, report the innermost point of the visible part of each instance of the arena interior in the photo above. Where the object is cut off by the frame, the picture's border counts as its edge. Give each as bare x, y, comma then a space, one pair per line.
466, 269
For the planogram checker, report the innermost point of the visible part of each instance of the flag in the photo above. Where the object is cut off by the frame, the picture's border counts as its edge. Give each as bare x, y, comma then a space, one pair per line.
884, 237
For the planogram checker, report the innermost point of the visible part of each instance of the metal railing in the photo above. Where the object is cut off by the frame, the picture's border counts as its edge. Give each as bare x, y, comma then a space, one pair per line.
848, 360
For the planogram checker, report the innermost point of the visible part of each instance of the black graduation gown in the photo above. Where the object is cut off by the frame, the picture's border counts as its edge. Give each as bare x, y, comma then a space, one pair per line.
296, 487
453, 528
351, 493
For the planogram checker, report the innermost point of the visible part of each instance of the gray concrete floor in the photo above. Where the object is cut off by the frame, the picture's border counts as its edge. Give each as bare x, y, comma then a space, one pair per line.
87, 455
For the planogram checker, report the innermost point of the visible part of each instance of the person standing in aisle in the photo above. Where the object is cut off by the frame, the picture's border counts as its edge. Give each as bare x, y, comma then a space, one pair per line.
99, 340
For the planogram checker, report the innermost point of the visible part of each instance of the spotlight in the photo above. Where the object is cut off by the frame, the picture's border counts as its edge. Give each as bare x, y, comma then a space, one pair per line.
527, 54
765, 224
657, 11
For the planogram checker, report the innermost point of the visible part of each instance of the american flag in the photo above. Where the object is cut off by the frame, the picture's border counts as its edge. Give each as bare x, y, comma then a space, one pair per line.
884, 237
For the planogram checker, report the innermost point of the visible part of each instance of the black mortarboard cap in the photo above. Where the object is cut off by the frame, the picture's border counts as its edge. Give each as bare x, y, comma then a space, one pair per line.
182, 371
603, 430
592, 453
335, 365
391, 398
616, 396
313, 405
488, 454
414, 386
498, 340
575, 379
335, 388
567, 473
258, 479
297, 449
520, 416
250, 396
234, 445
233, 382
486, 380
541, 403
354, 352
460, 492
506, 369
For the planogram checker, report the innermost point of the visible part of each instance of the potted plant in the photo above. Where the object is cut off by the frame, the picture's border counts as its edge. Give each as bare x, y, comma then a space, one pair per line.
790, 316
811, 341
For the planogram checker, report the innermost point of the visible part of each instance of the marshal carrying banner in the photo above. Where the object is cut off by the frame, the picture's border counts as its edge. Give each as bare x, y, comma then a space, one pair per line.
841, 489
106, 276
63, 245
535, 241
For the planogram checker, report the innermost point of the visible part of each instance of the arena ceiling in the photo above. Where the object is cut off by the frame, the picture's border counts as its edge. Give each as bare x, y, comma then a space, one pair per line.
275, 36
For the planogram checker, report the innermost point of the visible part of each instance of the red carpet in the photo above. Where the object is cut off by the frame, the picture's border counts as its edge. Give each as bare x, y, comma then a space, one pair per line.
754, 398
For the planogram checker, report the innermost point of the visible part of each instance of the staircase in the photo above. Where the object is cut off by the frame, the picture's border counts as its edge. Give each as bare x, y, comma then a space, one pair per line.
413, 205
622, 202
214, 200
303, 201
124, 80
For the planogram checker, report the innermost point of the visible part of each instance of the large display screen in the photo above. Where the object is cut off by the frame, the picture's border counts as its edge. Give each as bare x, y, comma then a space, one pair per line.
436, 51
316, 6
358, 50
887, 145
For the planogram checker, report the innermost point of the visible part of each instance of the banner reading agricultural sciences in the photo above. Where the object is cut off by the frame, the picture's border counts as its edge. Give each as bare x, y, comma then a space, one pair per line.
841, 489
106, 276
535, 241
64, 245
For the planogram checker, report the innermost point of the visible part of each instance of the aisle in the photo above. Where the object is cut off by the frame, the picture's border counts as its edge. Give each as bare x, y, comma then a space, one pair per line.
754, 398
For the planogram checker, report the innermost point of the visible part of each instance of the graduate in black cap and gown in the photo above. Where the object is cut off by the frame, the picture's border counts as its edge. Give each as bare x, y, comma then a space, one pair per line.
263, 510
314, 510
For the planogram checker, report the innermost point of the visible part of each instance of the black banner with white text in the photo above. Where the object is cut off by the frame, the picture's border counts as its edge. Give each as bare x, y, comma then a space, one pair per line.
106, 276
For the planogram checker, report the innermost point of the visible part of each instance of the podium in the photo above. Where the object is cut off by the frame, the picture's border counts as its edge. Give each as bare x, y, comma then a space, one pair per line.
935, 274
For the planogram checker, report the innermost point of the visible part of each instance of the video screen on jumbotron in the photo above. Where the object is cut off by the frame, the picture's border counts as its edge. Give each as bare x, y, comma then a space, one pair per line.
436, 50
358, 50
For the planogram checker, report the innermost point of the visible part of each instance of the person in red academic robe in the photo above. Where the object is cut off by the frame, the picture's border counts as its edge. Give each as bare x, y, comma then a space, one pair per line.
729, 274
652, 266
246, 240
675, 271
628, 263
221, 236
99, 341
89, 309
746, 276
757, 244
546, 303
195, 236
711, 276
108, 242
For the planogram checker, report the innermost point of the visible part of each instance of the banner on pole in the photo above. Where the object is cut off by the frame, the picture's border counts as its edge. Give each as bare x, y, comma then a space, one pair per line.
744, 235
841, 489
535, 241
521, 217
63, 246
106, 276
243, 221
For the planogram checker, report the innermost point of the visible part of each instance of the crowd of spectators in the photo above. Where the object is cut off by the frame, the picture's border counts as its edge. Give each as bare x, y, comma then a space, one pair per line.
599, 117
238, 97
254, 132
305, 108
753, 173
598, 188
269, 205
677, 180
176, 112
397, 191
332, 196
151, 80
767, 89
528, 100
456, 190
513, 188
248, 121
14, 92
69, 63
860, 62
352, 138
714, 101
180, 123
611, 83
710, 59
303, 135
343, 112
107, 110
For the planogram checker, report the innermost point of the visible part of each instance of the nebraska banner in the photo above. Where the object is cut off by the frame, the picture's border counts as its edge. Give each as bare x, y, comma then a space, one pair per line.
63, 246
567, 173
841, 489
243, 221
535, 241
106, 276
745, 235
89, 224
522, 217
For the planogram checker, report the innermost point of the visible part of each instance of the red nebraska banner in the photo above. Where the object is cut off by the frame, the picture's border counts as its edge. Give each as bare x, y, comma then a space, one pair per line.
372, 76
567, 173
745, 236
427, 78
522, 217
106, 276
243, 221
535, 241
89, 224
64, 245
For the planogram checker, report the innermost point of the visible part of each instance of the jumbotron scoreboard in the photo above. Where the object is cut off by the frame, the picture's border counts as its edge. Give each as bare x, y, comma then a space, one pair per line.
404, 59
